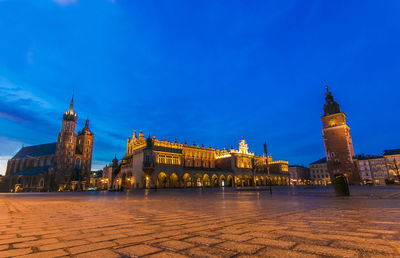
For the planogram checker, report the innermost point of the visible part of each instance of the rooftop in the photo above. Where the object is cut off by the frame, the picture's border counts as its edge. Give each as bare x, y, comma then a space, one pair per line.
320, 161
36, 151
391, 152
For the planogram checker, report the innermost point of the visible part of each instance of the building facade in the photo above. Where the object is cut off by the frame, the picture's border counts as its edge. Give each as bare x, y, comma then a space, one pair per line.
372, 169
299, 175
319, 174
151, 163
63, 165
392, 161
337, 141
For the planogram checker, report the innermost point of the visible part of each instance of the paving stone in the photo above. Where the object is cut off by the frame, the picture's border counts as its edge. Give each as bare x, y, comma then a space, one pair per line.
36, 243
90, 247
15, 252
324, 250
204, 240
240, 247
99, 253
203, 251
17, 240
167, 254
55, 253
278, 253
138, 250
365, 247
62, 245
177, 245
272, 242
133, 240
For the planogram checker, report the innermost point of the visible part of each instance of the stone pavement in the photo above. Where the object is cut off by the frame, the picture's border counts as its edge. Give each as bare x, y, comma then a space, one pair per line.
202, 223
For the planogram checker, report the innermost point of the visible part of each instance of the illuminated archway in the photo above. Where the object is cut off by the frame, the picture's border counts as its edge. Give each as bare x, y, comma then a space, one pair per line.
257, 180
187, 180
229, 181
214, 181
222, 181
262, 182
246, 180
174, 181
162, 180
206, 180
197, 180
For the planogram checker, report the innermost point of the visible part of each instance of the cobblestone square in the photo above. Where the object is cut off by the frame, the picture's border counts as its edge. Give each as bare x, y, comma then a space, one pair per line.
293, 222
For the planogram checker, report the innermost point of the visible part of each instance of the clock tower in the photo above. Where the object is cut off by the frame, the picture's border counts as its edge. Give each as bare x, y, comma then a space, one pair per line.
337, 140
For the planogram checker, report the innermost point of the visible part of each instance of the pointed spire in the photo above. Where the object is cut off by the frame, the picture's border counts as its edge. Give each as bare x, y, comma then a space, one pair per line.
71, 105
87, 123
326, 85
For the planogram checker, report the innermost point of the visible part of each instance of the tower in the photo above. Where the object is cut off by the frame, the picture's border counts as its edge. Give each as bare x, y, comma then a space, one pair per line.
66, 142
84, 150
337, 140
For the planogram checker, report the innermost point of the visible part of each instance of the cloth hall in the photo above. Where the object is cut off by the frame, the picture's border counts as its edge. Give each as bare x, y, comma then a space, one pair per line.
153, 163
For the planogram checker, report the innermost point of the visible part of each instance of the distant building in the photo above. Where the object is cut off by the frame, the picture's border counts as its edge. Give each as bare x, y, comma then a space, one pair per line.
95, 180
299, 175
392, 161
372, 169
63, 165
319, 173
337, 140
152, 163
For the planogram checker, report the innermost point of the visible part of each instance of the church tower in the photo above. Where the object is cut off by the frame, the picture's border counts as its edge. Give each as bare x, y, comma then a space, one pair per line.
337, 140
66, 142
84, 152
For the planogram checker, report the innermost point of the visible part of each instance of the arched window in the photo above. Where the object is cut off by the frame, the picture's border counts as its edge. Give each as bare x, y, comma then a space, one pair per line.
78, 163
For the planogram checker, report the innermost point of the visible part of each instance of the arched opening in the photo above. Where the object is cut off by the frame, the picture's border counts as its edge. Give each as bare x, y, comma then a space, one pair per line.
206, 180
174, 180
197, 180
41, 182
245, 180
257, 180
229, 181
239, 180
187, 180
222, 180
78, 163
262, 181
214, 181
162, 180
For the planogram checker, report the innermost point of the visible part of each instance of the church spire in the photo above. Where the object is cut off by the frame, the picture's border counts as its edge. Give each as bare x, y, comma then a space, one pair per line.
71, 106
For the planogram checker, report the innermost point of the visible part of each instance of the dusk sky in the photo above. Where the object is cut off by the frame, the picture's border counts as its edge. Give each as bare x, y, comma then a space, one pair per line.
208, 72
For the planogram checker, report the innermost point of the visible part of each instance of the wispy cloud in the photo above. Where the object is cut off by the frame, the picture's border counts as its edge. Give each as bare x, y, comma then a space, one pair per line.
65, 2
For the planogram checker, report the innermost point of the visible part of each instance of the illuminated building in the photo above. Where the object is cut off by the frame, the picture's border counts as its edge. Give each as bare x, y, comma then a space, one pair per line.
319, 174
63, 165
151, 163
299, 175
337, 140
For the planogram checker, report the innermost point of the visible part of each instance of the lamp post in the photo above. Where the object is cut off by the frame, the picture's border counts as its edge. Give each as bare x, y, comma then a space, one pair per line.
269, 176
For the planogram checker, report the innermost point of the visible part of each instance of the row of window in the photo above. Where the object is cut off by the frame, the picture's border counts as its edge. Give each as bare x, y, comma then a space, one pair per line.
168, 159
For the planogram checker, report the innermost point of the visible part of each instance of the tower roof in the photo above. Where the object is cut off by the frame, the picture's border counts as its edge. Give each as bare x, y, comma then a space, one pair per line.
70, 114
331, 107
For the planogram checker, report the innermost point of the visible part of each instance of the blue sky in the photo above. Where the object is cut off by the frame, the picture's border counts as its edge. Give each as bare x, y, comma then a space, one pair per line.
203, 71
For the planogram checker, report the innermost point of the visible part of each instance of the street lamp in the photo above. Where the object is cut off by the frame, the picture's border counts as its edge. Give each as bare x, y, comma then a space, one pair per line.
269, 176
